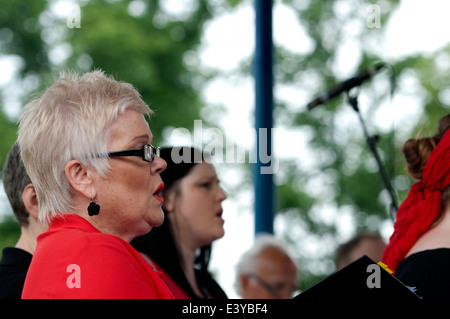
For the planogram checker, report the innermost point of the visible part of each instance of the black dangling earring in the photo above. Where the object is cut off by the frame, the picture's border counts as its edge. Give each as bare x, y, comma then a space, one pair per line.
93, 208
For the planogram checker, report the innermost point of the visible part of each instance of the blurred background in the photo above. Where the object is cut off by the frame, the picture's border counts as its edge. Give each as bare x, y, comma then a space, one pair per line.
192, 60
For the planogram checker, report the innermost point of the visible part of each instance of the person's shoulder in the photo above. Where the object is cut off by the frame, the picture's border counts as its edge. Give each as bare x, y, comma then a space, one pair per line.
430, 257
109, 249
428, 264
74, 232
88, 248
80, 262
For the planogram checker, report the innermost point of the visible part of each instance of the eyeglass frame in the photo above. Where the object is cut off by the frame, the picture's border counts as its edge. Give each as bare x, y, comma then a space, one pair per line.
270, 288
147, 153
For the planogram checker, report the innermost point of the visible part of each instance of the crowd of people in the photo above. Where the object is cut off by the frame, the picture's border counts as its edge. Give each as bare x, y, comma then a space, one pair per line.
94, 199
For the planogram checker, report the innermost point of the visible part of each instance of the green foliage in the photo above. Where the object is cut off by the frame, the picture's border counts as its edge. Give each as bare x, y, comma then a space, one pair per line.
8, 134
344, 174
157, 52
21, 34
153, 51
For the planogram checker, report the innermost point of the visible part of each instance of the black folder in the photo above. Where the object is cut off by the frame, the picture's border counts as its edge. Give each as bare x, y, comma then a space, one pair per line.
362, 282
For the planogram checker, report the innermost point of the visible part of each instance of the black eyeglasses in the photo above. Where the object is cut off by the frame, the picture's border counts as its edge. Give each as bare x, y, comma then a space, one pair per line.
276, 290
147, 152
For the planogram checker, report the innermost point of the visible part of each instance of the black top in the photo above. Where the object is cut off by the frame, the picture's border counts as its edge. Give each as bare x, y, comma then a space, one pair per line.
209, 286
428, 272
13, 270
159, 245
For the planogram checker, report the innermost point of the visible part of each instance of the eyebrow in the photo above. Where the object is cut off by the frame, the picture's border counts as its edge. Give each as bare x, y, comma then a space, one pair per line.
209, 178
144, 136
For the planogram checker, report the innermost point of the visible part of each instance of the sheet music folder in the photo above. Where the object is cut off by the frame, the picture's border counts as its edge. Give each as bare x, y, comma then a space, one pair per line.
363, 281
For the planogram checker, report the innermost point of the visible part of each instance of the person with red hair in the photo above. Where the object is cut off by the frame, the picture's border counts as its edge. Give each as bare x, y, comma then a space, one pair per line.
418, 252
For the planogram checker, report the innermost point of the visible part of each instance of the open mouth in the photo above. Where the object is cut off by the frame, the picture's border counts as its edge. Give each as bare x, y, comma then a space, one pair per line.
158, 193
219, 214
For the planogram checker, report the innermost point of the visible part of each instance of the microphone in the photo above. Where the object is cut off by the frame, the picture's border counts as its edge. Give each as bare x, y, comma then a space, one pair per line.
345, 86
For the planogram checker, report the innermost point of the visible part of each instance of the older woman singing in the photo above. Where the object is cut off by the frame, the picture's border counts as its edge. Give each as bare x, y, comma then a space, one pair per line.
87, 148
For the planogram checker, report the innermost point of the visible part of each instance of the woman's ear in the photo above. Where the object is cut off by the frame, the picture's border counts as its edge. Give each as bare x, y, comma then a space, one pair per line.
169, 200
79, 178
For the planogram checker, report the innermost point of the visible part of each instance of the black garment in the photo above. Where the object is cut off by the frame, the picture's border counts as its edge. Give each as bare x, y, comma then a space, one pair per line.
158, 244
13, 270
209, 286
428, 272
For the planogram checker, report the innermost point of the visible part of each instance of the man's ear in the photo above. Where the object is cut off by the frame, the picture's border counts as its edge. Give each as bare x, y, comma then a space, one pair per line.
30, 201
244, 279
79, 178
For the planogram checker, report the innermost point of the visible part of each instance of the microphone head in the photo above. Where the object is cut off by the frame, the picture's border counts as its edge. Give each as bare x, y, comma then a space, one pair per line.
346, 85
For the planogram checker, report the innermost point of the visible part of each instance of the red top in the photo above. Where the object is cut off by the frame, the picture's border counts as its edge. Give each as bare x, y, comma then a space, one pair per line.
176, 290
75, 260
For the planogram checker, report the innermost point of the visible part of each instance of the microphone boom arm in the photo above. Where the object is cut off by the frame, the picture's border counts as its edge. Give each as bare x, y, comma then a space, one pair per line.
345, 86
371, 142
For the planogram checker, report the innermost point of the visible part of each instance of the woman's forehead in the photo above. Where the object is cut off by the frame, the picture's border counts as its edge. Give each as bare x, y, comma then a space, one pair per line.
129, 127
202, 170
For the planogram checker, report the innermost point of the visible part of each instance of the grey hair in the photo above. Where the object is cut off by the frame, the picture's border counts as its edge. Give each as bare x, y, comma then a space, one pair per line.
71, 120
247, 262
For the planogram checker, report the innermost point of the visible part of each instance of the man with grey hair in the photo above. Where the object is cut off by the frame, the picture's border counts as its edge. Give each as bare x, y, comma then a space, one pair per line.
266, 271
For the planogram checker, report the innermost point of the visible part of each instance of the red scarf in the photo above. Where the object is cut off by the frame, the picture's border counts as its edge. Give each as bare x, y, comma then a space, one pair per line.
422, 207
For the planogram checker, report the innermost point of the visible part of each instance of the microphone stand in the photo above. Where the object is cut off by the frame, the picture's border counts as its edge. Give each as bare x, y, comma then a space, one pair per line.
371, 142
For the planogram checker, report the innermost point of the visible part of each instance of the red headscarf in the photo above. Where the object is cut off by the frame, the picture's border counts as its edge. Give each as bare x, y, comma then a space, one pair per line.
422, 207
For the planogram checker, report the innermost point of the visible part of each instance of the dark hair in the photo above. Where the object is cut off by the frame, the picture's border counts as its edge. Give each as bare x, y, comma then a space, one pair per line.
159, 243
417, 150
15, 179
344, 251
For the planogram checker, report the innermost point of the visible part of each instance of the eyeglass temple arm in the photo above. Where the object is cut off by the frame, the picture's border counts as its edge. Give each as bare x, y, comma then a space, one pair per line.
138, 152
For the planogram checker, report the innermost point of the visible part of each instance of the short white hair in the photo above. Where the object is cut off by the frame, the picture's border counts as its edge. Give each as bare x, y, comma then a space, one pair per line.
247, 262
71, 120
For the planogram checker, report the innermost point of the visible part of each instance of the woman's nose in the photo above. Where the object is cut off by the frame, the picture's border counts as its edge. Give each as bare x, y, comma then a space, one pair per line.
158, 165
222, 195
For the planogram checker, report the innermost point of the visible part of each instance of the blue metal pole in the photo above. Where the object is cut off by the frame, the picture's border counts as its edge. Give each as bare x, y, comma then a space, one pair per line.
263, 74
